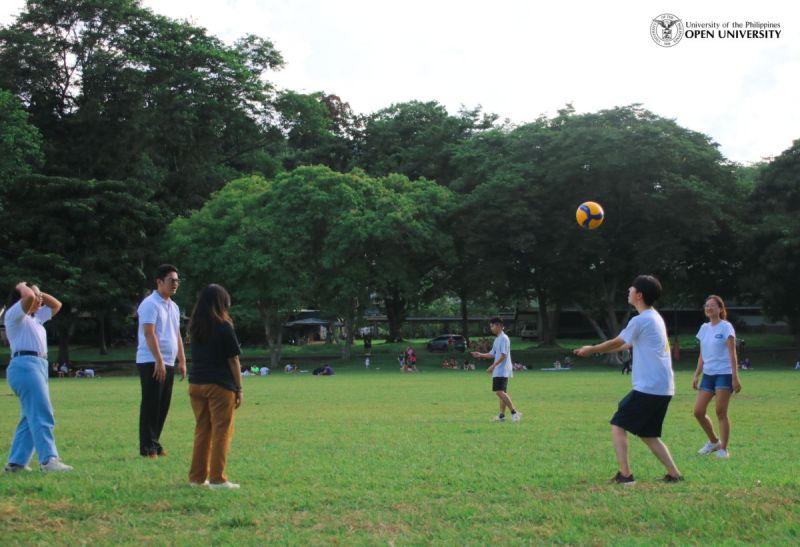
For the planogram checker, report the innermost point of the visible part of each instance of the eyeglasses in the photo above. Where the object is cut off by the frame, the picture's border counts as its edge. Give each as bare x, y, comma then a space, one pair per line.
173, 280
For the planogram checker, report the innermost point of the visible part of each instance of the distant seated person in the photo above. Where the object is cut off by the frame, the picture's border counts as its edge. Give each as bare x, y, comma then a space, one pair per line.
746, 364
557, 364
290, 367
567, 362
84, 373
519, 366
246, 371
468, 365
797, 365
255, 370
445, 363
264, 371
63, 370
327, 371
52, 372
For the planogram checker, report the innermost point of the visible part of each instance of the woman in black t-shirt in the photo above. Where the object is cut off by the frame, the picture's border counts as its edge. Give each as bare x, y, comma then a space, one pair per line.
215, 386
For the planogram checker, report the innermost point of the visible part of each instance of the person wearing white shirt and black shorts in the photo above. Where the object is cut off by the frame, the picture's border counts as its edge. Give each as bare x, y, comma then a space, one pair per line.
502, 369
643, 410
718, 365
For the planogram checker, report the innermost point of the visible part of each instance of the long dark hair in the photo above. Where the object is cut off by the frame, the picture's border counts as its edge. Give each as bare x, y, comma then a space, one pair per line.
212, 307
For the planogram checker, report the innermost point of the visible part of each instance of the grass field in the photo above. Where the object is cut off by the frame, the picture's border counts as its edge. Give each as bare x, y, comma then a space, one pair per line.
383, 458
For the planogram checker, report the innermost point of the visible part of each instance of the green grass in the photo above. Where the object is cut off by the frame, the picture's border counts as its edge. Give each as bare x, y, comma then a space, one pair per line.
384, 458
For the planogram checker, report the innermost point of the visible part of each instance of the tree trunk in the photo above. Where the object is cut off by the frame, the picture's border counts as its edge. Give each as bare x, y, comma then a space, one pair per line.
65, 328
595, 325
395, 315
351, 321
101, 327
464, 316
273, 329
547, 334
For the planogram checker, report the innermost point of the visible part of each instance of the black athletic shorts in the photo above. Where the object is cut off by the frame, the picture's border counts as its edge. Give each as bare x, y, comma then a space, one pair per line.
641, 413
499, 384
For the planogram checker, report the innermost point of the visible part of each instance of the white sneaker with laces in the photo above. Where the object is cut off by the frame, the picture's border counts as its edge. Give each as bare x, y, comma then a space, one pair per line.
54, 465
722, 453
227, 485
517, 416
708, 448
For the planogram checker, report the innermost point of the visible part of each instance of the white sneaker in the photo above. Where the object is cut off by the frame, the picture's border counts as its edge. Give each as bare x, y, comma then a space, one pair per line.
499, 419
227, 485
722, 453
54, 465
708, 448
517, 416
196, 484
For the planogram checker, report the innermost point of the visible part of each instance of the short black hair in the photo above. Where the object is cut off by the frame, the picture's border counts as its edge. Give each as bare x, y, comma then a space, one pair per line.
649, 286
14, 295
496, 321
165, 269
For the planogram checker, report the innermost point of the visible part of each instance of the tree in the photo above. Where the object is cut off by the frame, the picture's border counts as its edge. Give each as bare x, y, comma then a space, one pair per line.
320, 130
84, 241
773, 260
417, 140
119, 92
20, 142
661, 186
646, 171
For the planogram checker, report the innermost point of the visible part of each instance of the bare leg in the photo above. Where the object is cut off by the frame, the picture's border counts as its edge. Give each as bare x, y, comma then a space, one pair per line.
620, 439
505, 401
723, 398
700, 407
661, 451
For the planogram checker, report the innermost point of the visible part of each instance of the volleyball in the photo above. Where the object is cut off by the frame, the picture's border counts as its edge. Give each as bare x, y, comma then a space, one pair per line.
589, 215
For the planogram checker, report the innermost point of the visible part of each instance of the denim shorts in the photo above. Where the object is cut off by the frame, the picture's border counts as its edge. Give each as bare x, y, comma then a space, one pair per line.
713, 382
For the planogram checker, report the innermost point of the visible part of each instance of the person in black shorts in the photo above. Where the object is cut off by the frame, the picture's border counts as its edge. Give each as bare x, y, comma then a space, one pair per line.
642, 411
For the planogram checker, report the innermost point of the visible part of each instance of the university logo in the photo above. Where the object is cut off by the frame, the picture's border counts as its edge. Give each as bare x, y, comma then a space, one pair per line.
666, 30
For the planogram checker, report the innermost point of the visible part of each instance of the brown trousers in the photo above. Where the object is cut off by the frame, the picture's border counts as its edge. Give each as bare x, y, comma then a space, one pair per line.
213, 408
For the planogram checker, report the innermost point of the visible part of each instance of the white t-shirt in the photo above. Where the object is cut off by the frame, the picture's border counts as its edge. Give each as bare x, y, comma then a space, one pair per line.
652, 362
164, 314
25, 332
502, 345
714, 347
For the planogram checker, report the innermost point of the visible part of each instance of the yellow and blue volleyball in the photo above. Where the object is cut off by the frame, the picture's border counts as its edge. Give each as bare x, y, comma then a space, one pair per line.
589, 215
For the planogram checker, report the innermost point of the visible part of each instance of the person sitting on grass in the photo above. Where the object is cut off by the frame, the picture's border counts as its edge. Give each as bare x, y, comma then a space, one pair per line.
642, 411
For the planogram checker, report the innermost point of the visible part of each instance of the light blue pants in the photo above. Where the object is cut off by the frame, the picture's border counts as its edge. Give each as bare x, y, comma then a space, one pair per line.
27, 376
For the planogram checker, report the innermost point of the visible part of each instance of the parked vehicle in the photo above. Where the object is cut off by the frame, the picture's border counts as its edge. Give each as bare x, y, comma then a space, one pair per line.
442, 343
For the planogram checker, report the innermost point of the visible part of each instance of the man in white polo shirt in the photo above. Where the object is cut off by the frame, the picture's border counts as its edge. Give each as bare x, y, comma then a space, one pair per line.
160, 344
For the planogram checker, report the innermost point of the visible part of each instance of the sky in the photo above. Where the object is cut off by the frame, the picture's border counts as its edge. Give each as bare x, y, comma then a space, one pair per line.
522, 59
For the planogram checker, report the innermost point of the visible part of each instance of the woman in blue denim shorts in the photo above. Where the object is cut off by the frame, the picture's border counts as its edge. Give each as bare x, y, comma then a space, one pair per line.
718, 365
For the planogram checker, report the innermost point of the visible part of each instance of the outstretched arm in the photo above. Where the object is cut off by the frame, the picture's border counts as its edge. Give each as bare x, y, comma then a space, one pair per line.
609, 346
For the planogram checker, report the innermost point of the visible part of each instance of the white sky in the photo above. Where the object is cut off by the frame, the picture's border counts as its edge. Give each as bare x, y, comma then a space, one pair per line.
523, 58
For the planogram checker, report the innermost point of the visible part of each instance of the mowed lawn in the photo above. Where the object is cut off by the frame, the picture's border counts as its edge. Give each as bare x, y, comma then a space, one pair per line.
384, 458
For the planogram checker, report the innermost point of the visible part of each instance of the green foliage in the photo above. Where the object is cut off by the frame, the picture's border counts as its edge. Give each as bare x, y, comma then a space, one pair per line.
319, 130
774, 251
417, 140
650, 175
20, 142
118, 92
85, 242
